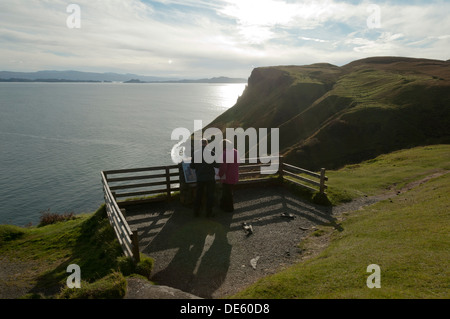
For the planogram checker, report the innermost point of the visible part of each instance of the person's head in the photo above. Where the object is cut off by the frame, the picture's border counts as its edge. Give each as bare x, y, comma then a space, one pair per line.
204, 142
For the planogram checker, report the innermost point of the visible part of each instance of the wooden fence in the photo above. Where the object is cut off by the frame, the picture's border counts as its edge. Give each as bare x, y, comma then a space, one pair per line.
259, 170
250, 173
296, 176
134, 186
127, 239
126, 187
130, 186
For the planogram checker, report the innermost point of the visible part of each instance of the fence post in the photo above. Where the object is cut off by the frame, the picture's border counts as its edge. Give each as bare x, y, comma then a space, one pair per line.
322, 181
168, 181
135, 241
280, 169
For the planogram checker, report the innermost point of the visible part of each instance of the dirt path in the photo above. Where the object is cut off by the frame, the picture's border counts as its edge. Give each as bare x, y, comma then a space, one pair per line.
16, 277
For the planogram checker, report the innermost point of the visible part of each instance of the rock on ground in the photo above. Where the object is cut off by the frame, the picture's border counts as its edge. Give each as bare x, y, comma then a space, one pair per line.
142, 289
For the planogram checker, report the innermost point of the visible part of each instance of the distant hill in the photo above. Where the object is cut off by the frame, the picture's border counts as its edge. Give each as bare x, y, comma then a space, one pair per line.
221, 79
76, 76
330, 116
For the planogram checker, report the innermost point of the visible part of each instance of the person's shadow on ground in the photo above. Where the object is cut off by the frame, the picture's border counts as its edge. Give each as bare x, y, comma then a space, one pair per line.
202, 256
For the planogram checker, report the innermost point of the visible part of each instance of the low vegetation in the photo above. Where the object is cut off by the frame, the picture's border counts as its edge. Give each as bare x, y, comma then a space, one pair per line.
48, 218
9, 233
112, 286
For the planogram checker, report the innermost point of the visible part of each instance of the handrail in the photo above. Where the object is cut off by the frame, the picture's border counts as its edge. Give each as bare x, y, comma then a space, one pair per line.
127, 238
124, 235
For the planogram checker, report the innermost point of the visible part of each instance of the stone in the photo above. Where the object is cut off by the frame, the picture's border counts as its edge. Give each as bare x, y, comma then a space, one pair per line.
139, 288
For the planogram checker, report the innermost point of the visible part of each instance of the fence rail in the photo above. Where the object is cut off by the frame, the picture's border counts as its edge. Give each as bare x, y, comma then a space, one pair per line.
251, 173
127, 239
125, 184
134, 186
293, 172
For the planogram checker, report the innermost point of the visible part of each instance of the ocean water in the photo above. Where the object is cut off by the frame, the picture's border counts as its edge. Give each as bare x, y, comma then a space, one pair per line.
55, 138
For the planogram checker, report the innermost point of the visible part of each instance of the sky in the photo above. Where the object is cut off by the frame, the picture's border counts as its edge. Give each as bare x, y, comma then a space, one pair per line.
199, 38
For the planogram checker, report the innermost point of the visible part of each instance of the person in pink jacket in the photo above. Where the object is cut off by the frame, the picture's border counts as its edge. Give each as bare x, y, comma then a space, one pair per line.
229, 175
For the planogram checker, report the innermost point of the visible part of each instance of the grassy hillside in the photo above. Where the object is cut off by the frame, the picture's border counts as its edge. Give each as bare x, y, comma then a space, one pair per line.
388, 172
43, 253
331, 116
407, 235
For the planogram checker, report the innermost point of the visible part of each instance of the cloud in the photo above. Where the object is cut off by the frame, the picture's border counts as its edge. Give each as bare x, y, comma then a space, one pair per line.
211, 38
315, 40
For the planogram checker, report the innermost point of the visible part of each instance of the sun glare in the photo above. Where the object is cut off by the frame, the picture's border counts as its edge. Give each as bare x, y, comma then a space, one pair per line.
255, 21
229, 94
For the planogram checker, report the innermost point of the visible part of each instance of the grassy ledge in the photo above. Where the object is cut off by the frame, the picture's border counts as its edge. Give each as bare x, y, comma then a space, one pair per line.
44, 253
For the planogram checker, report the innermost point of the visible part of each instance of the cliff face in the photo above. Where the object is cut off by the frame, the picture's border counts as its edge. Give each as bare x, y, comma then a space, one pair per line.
330, 116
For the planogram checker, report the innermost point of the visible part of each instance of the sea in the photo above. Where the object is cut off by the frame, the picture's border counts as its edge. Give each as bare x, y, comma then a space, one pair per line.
56, 138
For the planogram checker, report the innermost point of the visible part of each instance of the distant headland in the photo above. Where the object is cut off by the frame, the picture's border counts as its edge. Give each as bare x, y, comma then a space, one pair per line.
331, 116
90, 77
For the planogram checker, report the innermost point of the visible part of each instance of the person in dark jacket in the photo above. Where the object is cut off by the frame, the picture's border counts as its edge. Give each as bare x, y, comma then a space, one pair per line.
206, 182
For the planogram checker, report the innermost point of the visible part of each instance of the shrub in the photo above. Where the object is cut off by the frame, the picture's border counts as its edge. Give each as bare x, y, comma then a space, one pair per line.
127, 266
321, 199
48, 218
145, 266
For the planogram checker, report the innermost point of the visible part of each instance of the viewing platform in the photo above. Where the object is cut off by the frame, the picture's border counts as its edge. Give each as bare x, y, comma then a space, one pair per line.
209, 257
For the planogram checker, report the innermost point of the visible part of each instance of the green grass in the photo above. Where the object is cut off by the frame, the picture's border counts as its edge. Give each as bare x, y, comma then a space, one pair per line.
9, 233
112, 286
375, 88
408, 236
392, 170
87, 241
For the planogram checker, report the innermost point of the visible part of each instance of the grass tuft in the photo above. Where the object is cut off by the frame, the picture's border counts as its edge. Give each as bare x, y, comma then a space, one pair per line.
143, 268
112, 286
